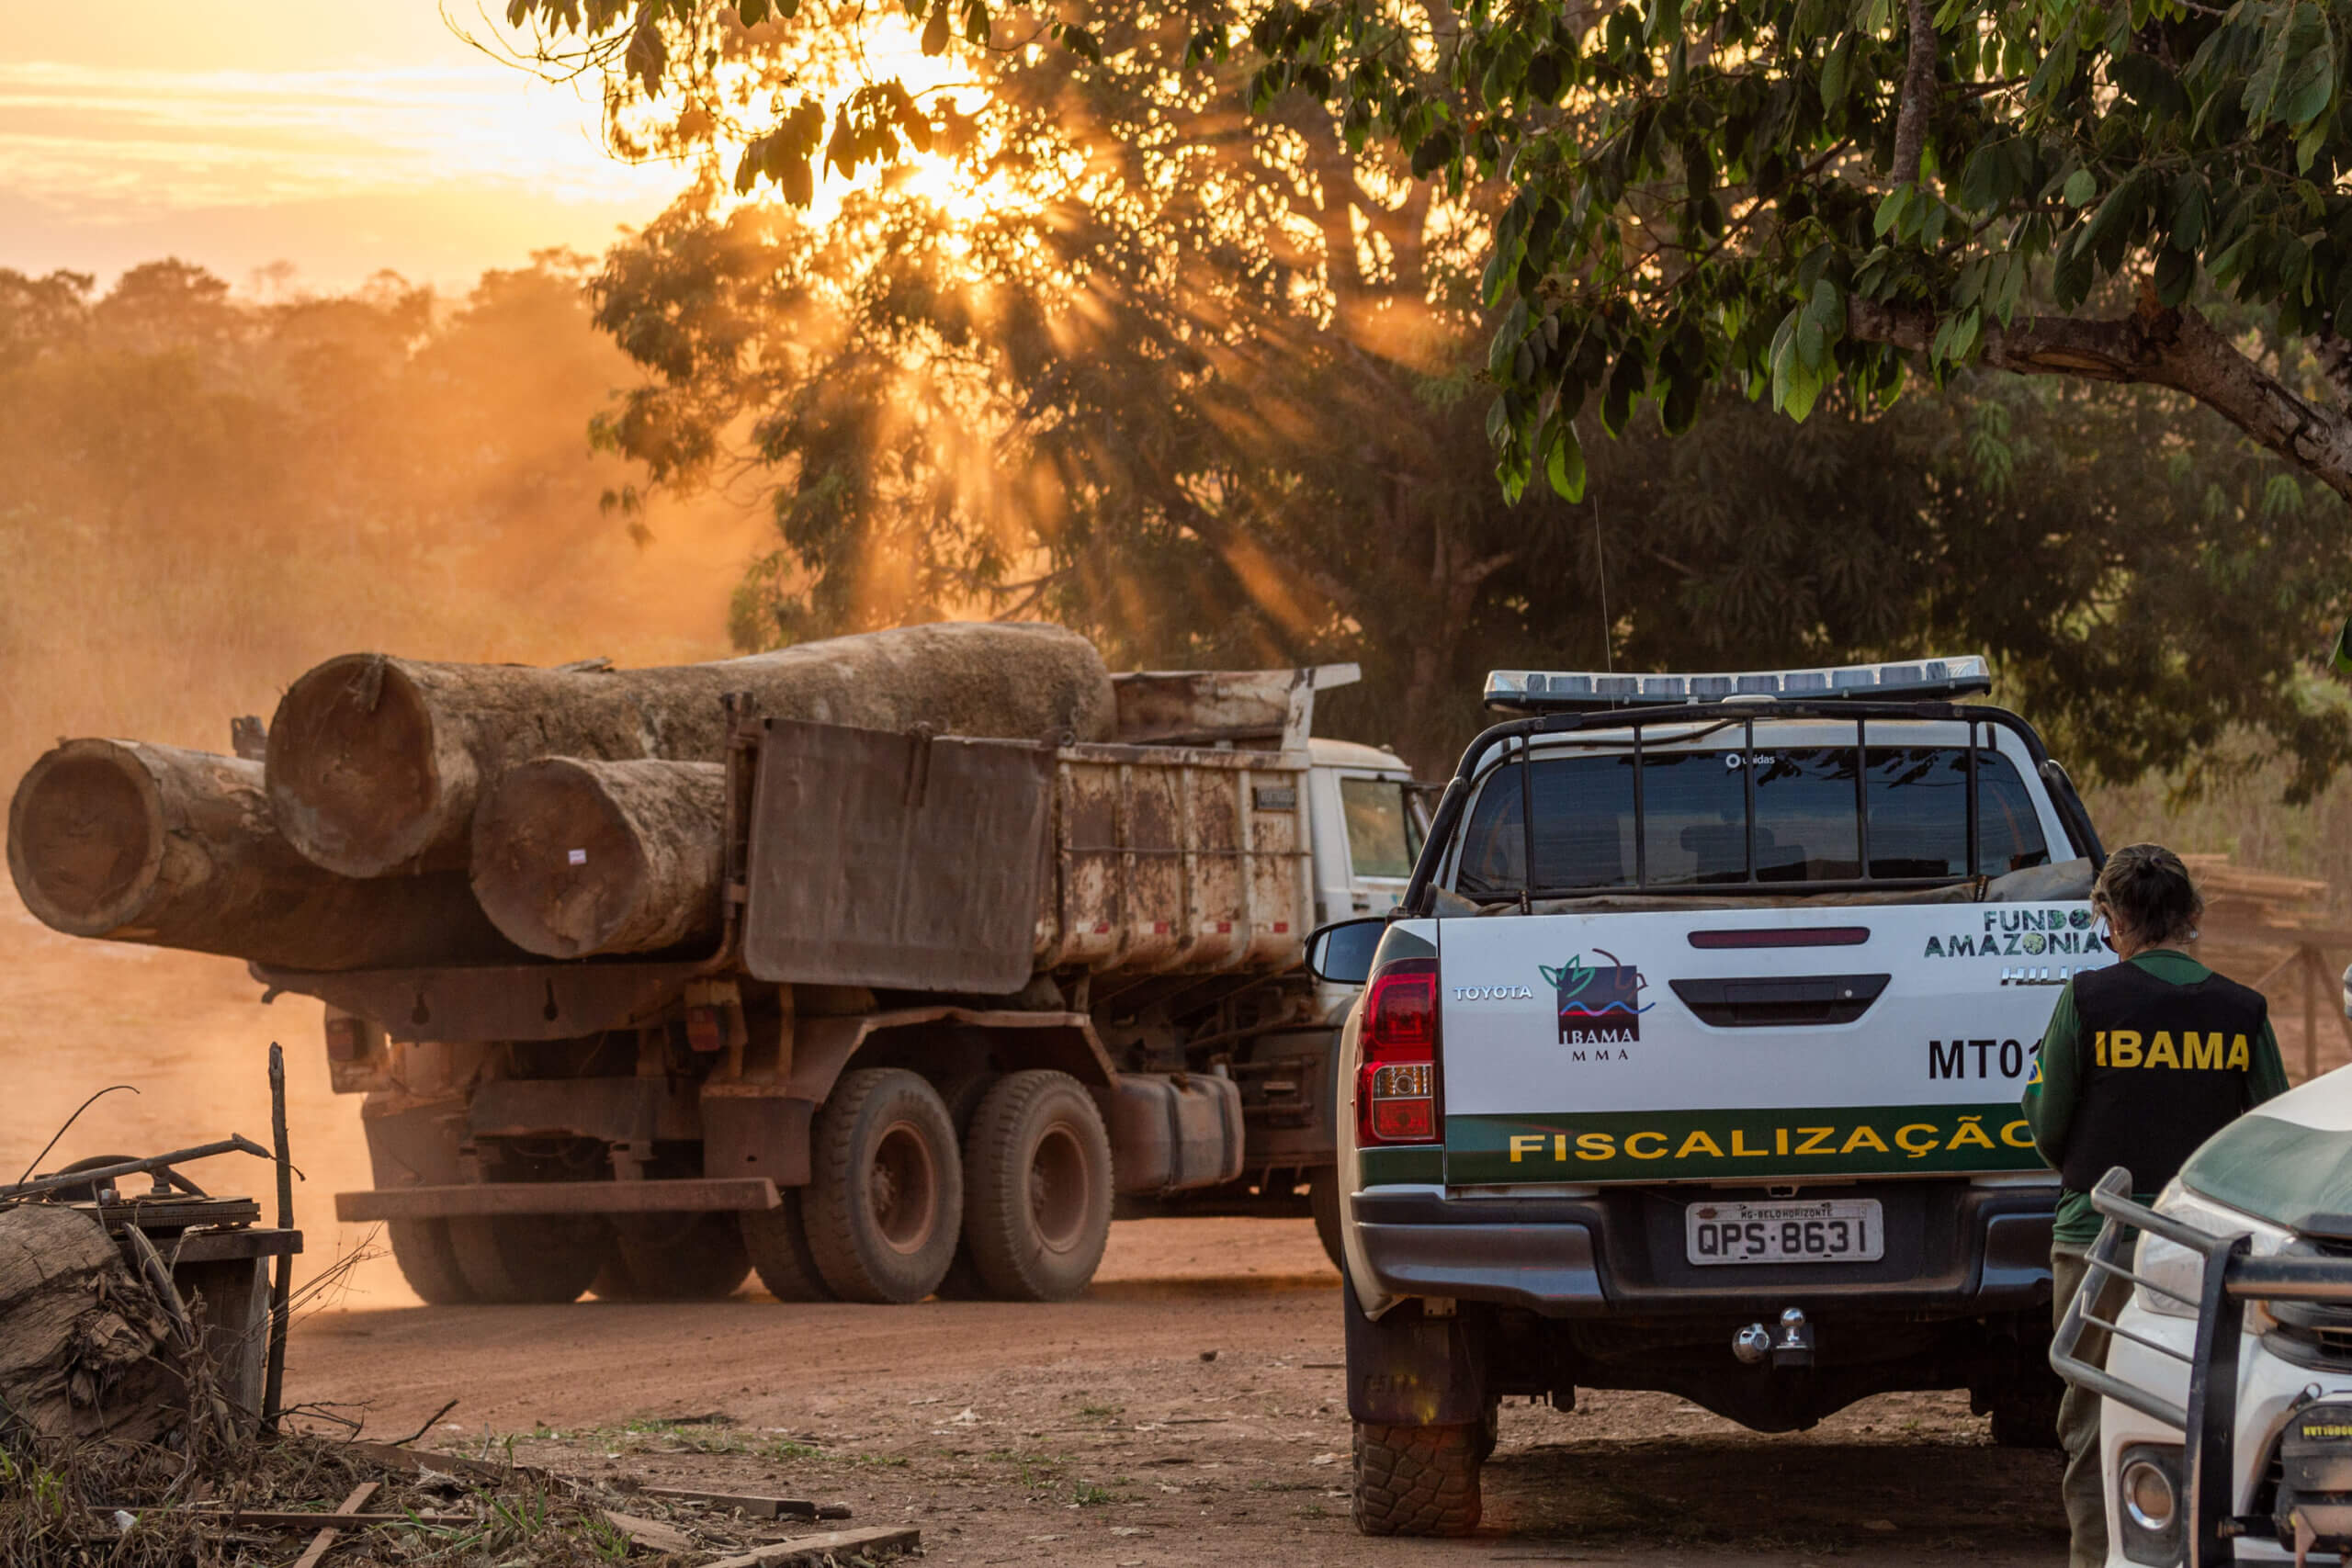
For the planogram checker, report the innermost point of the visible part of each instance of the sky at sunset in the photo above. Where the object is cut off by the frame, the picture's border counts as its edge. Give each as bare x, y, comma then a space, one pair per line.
340, 136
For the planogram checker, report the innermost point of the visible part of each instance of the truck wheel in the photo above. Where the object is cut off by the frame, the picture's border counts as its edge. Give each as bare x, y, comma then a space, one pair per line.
1040, 1209
961, 1094
778, 1243
1417, 1480
1323, 1197
528, 1258
428, 1262
674, 1257
885, 1197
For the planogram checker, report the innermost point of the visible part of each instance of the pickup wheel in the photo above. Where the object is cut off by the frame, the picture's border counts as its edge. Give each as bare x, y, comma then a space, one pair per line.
778, 1242
1417, 1480
1040, 1208
674, 1257
428, 1262
884, 1199
528, 1258
1323, 1197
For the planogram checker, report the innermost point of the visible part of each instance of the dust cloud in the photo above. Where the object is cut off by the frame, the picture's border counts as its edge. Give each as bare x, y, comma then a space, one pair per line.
202, 496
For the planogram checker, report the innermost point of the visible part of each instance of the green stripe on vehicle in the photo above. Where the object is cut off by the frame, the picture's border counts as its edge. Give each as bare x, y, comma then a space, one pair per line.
1420, 1166
1683, 1145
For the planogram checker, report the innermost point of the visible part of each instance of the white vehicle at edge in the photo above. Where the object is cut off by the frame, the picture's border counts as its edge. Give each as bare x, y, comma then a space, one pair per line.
2280, 1176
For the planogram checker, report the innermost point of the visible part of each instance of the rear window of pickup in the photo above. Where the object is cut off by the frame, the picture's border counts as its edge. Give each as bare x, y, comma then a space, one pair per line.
1693, 824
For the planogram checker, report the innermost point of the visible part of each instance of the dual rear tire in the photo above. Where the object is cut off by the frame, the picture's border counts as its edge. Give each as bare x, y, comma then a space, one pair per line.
1004, 1192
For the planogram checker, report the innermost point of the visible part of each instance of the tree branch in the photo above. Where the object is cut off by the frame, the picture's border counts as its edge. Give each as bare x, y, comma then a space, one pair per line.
1918, 91
2155, 346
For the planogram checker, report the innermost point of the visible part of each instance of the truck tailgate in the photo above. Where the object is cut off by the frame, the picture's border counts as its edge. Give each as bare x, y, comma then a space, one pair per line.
1749, 1045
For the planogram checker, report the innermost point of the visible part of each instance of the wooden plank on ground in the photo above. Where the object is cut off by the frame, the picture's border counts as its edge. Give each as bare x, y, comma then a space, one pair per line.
321, 1542
651, 1534
748, 1507
811, 1547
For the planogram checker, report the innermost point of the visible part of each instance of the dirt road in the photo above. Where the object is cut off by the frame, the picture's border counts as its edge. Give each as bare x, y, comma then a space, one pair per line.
1103, 1432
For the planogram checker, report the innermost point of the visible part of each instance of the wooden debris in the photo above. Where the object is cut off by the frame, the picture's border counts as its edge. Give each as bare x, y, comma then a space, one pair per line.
325, 1538
80, 1337
811, 1549
650, 1534
409, 1462
751, 1507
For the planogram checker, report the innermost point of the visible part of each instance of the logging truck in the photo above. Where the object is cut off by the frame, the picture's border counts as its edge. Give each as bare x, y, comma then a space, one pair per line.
949, 1005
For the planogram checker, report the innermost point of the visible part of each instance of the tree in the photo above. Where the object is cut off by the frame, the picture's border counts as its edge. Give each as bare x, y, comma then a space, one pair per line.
1100, 382
1787, 193
1795, 192
1205, 384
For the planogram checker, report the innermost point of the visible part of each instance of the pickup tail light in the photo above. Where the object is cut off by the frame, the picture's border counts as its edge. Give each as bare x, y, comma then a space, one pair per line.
1396, 1084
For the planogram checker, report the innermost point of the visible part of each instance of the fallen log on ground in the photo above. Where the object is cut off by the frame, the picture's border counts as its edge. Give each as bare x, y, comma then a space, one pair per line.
376, 763
134, 843
573, 857
80, 1337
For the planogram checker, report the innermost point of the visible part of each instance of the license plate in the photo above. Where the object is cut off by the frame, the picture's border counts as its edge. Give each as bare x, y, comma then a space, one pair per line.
1845, 1231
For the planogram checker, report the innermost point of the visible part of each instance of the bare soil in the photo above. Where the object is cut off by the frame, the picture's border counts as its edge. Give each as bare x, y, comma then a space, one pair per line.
1189, 1410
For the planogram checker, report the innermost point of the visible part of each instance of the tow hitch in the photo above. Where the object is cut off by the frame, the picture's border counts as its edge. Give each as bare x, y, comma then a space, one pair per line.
1793, 1346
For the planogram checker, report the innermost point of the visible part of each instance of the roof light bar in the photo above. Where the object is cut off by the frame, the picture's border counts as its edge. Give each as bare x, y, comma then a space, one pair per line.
1535, 691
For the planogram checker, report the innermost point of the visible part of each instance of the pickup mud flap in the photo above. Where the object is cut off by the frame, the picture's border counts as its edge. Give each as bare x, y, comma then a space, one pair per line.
1408, 1369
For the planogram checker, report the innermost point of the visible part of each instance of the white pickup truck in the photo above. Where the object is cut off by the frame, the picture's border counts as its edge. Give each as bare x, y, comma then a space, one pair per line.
1690, 1060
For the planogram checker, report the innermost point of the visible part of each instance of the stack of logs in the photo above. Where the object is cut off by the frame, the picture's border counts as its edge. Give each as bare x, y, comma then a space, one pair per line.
414, 815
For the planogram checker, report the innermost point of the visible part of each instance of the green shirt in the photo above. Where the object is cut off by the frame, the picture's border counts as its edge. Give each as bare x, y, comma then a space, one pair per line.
2057, 1085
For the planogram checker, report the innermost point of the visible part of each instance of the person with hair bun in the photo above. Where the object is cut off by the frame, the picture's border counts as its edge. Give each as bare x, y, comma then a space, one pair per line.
2143, 1059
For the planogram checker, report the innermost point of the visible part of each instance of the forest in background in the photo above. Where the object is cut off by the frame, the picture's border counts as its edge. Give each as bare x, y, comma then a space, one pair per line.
202, 495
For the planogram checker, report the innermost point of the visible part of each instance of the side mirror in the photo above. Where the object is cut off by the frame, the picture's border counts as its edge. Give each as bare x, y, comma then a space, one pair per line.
1340, 953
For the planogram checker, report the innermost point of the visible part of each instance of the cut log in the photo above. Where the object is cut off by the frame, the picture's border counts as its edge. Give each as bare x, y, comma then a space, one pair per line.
572, 858
375, 764
81, 1339
134, 843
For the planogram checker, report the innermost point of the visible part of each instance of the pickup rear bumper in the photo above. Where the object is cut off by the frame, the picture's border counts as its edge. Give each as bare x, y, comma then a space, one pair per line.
1951, 1249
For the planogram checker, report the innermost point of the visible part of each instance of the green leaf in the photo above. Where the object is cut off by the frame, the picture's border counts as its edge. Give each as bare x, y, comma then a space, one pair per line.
1890, 211
1563, 462
2296, 74
2081, 186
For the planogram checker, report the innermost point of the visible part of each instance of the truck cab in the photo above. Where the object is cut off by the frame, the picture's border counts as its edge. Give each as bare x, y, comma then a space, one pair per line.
1369, 822
1689, 1061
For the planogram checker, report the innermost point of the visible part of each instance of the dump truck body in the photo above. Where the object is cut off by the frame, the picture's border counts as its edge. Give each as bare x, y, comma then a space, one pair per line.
1126, 916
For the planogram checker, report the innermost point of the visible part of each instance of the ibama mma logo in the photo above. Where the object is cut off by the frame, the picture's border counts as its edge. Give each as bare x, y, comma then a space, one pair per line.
1599, 1005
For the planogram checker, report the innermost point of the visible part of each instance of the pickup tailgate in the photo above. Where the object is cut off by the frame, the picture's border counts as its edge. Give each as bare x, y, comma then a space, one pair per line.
1759, 1044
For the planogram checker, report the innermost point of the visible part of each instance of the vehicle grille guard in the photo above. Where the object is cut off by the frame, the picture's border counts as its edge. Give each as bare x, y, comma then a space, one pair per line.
2208, 1424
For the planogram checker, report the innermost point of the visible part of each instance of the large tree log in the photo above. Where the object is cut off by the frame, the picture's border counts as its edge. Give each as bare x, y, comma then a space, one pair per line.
375, 764
575, 857
80, 1338
135, 843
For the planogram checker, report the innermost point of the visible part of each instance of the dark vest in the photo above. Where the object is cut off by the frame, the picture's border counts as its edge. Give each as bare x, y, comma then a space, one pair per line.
2163, 1068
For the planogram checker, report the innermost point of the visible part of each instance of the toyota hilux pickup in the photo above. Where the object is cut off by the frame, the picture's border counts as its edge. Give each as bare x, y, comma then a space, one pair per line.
1689, 1061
